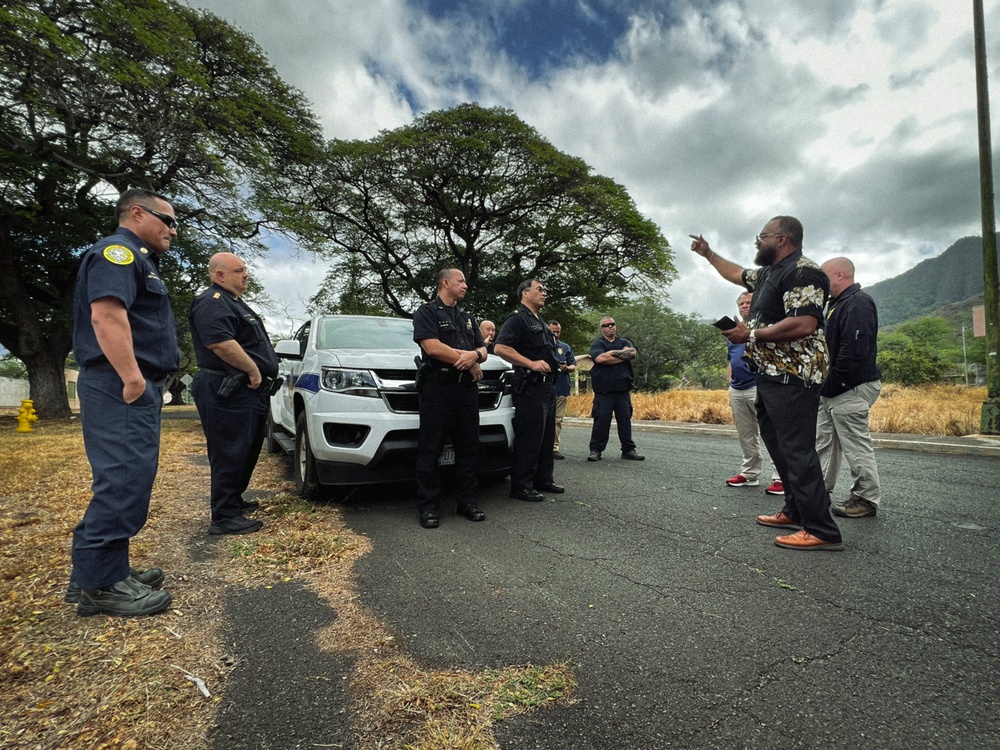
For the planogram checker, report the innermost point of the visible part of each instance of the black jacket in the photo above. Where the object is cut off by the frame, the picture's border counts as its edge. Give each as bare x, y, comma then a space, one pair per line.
851, 336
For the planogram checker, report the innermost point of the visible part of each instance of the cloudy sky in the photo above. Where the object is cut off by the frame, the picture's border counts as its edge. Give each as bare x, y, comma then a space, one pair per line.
857, 116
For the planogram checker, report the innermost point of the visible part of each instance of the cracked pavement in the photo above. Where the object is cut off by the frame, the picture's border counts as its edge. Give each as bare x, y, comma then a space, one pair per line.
686, 627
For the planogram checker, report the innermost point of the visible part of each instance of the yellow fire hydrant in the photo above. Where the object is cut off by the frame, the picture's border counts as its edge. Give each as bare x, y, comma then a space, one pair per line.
26, 416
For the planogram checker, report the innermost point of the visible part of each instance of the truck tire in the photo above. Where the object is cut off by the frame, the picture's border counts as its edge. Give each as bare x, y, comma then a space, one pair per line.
306, 483
273, 446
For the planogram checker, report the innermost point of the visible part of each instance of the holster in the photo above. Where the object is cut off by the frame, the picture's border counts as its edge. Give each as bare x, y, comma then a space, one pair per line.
230, 383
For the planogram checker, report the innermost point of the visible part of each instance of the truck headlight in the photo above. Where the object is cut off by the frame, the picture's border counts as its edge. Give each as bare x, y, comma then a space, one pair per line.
351, 382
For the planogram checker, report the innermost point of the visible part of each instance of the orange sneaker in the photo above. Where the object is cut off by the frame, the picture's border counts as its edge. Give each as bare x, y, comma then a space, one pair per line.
803, 540
779, 520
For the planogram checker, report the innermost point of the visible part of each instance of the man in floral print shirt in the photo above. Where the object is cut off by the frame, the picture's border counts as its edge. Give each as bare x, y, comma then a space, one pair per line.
785, 344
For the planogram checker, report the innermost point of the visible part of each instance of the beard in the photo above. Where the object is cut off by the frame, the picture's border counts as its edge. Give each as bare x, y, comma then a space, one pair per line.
765, 256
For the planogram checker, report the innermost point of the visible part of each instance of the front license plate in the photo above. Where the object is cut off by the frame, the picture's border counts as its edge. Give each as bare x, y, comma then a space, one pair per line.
447, 457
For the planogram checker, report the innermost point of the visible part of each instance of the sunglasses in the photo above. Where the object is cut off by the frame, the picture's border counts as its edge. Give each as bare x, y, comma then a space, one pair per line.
167, 219
607, 325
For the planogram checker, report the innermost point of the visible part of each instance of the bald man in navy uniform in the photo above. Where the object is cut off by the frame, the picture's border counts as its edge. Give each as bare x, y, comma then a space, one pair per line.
231, 390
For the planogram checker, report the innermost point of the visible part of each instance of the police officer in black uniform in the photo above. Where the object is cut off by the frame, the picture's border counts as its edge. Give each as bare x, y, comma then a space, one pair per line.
527, 343
238, 371
453, 348
125, 342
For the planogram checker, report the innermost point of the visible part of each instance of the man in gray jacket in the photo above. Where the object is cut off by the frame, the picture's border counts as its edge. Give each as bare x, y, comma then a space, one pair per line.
850, 390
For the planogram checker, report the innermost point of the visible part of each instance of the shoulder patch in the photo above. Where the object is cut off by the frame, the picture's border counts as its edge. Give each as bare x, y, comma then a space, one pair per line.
119, 255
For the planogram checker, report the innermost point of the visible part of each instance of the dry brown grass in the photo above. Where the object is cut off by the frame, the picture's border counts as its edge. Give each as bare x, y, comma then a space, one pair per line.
103, 682
931, 410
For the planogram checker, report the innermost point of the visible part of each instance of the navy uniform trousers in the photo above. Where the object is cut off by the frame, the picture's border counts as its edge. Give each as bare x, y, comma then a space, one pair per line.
234, 428
447, 409
123, 446
534, 436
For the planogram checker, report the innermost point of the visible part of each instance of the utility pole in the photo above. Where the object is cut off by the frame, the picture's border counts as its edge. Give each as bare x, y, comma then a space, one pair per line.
989, 422
965, 358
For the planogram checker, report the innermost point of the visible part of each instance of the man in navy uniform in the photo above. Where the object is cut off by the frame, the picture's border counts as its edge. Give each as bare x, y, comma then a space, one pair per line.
125, 342
232, 389
453, 349
527, 343
612, 379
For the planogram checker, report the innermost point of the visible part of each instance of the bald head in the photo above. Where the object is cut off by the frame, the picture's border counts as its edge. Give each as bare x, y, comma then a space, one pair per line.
840, 271
229, 272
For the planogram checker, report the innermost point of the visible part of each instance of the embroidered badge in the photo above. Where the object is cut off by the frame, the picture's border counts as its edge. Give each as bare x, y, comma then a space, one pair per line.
119, 255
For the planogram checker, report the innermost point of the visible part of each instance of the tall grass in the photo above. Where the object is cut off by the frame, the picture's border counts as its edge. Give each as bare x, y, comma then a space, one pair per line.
930, 410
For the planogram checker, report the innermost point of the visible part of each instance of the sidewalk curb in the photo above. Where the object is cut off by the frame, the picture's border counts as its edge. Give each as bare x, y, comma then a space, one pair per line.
967, 445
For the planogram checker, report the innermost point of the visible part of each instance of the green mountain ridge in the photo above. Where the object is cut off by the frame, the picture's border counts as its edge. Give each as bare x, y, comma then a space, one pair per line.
953, 279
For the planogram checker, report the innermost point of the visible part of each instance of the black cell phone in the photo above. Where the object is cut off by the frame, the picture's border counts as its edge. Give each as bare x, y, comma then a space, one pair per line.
724, 323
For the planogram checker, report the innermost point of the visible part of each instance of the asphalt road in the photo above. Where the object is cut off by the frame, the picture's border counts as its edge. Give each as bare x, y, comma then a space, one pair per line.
685, 625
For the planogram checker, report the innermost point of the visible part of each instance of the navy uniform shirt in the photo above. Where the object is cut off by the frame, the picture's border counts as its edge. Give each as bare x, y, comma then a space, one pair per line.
450, 324
610, 378
217, 316
120, 266
530, 337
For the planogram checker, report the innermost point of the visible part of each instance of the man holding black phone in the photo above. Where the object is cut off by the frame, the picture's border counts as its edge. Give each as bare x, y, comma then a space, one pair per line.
232, 390
784, 338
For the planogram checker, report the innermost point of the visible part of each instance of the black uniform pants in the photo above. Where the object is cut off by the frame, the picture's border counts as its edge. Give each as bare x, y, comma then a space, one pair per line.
534, 436
234, 429
787, 417
447, 408
619, 404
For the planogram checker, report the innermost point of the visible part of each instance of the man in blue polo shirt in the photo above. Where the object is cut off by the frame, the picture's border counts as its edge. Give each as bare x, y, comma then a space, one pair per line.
125, 342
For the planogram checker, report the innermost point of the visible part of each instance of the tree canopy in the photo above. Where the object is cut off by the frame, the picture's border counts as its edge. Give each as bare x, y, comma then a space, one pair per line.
99, 97
479, 190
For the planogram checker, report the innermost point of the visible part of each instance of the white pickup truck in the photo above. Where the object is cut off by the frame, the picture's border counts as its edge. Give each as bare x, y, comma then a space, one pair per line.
348, 407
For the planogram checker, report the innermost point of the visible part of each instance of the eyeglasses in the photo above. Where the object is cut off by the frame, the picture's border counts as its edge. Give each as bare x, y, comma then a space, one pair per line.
771, 234
167, 219
608, 325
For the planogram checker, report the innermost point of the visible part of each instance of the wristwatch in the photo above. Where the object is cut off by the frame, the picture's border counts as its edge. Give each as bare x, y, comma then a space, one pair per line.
753, 336
479, 356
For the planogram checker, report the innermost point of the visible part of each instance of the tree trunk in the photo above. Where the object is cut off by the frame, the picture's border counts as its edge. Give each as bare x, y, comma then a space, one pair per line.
47, 382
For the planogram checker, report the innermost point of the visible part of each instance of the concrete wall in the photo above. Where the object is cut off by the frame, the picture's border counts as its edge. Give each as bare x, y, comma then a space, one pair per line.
13, 391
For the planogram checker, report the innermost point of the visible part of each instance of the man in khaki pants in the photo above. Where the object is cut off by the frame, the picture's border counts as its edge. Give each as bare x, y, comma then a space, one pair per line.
567, 363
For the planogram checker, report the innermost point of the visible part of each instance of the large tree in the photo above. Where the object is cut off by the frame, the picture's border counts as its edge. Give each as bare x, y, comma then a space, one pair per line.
97, 97
479, 190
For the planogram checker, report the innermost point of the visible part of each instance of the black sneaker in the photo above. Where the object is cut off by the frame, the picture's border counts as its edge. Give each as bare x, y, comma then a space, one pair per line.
152, 577
249, 506
594, 456
632, 456
127, 598
237, 525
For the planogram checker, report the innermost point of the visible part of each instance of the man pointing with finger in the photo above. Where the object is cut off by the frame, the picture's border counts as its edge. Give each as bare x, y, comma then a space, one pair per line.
784, 340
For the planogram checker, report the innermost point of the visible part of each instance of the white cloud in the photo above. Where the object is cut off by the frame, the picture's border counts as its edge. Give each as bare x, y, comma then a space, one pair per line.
857, 116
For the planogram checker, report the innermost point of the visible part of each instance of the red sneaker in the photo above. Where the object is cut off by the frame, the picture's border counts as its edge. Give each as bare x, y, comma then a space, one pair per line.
741, 481
775, 488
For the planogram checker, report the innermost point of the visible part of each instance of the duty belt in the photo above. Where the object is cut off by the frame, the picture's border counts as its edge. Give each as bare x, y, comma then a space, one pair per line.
451, 375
